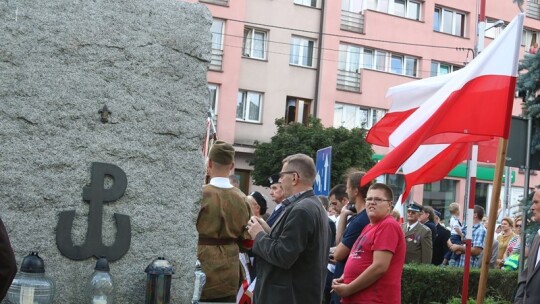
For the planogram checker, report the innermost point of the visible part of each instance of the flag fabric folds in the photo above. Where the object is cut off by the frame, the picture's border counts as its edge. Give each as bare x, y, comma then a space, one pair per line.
432, 122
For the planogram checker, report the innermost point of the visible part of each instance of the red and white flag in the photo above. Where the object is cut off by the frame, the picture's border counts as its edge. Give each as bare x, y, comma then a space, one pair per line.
433, 121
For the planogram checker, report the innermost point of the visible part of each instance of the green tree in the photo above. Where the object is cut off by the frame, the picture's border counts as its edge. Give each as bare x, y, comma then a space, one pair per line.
349, 148
528, 84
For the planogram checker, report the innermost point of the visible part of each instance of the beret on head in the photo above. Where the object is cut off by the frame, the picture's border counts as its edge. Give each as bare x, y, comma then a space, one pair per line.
415, 207
274, 179
222, 153
259, 198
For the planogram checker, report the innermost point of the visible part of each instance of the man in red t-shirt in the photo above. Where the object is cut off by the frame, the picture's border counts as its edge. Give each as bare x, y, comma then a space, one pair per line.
373, 271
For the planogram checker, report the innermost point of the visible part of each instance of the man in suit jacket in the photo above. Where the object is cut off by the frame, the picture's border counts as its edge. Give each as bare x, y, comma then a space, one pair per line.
529, 280
417, 237
439, 246
292, 256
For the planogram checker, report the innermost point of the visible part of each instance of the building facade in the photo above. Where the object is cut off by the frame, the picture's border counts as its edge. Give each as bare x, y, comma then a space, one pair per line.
335, 60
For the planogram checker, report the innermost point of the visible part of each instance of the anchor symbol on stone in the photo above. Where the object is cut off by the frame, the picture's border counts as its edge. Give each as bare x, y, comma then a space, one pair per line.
97, 196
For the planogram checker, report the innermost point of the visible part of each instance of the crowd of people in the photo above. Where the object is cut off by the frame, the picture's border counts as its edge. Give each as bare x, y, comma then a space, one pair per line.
349, 247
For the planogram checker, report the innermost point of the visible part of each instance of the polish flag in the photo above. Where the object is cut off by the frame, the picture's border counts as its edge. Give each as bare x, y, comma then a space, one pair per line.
433, 121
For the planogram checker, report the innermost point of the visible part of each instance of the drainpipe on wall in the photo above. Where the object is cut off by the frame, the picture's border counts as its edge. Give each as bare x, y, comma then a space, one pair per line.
319, 62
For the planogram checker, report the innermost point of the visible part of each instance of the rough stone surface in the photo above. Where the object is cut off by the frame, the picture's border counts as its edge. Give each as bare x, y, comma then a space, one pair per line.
60, 62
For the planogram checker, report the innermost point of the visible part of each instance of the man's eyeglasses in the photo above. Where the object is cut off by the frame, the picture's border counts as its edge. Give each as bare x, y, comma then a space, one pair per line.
281, 174
376, 200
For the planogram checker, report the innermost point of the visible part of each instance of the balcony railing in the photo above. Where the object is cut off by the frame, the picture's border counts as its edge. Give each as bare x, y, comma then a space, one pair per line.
218, 2
353, 22
216, 60
533, 9
348, 80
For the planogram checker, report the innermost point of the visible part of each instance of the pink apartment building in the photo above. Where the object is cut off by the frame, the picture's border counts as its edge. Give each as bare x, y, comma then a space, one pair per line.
336, 59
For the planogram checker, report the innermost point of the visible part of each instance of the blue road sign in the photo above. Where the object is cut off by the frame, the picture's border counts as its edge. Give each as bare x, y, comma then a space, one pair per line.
323, 164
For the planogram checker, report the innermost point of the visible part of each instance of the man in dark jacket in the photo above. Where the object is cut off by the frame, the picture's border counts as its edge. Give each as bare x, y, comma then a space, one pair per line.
439, 245
8, 265
427, 217
292, 256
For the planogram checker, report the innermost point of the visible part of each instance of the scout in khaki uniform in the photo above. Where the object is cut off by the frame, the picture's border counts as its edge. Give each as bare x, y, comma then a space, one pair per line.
221, 221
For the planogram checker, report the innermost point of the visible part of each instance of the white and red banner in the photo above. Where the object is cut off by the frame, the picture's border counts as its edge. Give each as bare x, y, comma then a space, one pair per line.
433, 121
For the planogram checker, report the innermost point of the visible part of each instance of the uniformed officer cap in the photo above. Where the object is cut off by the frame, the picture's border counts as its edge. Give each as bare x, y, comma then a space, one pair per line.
273, 179
415, 207
222, 153
437, 213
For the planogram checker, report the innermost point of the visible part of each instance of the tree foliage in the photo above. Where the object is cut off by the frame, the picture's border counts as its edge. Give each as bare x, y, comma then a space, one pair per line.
349, 148
528, 84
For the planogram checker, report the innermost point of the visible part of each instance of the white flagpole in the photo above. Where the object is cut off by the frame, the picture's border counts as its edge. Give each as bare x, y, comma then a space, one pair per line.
472, 164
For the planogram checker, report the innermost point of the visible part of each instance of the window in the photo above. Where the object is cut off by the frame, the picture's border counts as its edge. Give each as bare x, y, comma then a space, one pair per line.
217, 30
213, 89
312, 3
396, 64
354, 6
380, 61
353, 58
249, 106
528, 39
403, 8
403, 65
440, 68
450, 22
353, 116
297, 110
217, 33
349, 58
440, 194
255, 42
302, 51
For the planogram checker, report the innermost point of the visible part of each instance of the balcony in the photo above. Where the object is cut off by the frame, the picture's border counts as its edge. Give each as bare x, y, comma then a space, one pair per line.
216, 2
353, 22
348, 81
533, 9
216, 60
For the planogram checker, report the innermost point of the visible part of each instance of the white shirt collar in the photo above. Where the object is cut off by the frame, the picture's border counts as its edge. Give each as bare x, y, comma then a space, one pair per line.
221, 182
413, 225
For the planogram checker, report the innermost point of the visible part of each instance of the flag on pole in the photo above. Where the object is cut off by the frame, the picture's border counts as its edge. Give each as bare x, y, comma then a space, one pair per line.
433, 121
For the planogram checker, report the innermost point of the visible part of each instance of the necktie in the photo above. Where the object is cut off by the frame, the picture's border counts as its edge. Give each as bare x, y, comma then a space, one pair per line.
274, 216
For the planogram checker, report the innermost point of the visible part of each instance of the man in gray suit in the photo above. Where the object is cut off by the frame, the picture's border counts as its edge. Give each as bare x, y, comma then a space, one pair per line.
529, 280
292, 256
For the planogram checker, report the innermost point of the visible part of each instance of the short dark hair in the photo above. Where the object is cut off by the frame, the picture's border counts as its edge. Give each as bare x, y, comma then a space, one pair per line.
339, 191
479, 210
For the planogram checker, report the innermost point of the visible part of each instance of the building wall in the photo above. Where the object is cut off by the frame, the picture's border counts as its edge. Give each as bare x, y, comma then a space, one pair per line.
277, 79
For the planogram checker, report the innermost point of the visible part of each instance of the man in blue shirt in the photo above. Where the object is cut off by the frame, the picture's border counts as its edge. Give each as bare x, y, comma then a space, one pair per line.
478, 239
